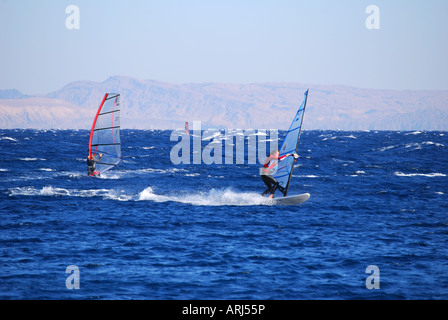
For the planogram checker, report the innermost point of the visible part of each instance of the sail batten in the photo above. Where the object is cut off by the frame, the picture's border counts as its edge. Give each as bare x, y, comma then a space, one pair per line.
106, 128
103, 113
106, 144
105, 134
290, 145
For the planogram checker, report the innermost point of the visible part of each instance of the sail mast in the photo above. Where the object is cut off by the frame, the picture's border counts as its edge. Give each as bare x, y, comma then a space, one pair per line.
94, 124
297, 143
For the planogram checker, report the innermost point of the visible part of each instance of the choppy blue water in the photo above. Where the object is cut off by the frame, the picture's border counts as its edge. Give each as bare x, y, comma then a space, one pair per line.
149, 229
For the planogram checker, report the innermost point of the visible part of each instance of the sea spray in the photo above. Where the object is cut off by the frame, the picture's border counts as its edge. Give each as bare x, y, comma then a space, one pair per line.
213, 197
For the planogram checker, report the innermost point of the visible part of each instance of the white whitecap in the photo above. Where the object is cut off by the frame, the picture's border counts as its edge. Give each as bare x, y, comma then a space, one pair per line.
8, 138
429, 175
213, 197
50, 191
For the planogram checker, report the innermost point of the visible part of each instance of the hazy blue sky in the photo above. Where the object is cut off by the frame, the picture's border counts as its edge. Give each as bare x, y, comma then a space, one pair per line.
237, 41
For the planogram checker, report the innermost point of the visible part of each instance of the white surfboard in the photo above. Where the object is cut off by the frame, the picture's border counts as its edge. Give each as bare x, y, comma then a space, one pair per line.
291, 200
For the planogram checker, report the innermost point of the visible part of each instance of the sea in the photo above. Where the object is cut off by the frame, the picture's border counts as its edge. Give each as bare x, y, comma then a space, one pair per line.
374, 228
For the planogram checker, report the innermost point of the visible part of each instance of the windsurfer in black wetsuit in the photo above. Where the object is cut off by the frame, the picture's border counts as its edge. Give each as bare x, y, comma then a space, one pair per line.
91, 165
269, 168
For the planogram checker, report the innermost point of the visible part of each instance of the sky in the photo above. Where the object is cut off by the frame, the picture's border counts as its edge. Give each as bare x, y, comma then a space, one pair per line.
322, 42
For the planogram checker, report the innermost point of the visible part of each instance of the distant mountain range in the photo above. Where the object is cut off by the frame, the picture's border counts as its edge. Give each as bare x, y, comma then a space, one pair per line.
149, 104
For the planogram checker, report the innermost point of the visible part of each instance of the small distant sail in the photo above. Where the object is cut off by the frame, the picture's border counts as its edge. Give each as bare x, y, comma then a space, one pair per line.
105, 134
187, 128
290, 145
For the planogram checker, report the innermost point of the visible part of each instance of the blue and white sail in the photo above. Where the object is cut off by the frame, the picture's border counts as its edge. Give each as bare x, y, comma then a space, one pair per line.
290, 145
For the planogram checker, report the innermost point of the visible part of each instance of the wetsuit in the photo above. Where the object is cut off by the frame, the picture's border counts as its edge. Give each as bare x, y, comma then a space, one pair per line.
91, 167
269, 168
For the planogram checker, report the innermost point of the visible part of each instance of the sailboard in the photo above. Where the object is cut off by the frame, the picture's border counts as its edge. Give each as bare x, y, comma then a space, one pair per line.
104, 141
292, 200
187, 128
285, 167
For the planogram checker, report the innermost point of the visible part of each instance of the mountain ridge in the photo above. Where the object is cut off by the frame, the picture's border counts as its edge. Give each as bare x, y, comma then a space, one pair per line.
151, 104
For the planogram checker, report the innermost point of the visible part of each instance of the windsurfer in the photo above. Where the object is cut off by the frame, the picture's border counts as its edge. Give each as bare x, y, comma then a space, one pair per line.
91, 165
269, 168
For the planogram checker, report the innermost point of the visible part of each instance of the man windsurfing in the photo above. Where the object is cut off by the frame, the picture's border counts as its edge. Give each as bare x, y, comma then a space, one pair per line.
91, 165
269, 168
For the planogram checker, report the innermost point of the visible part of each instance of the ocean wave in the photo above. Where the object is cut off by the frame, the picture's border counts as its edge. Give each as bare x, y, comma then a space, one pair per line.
430, 175
419, 145
45, 191
55, 191
161, 171
358, 173
32, 159
112, 176
306, 176
330, 137
9, 138
50, 191
413, 145
213, 197
386, 148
